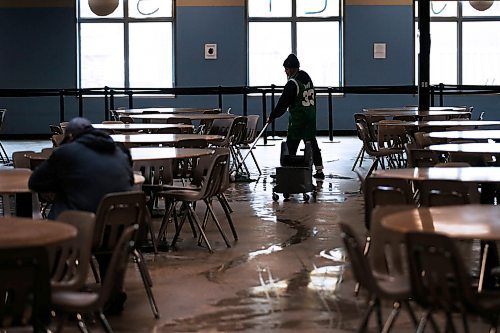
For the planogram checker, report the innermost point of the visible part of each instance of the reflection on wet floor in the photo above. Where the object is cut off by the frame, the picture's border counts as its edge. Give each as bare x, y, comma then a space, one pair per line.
306, 301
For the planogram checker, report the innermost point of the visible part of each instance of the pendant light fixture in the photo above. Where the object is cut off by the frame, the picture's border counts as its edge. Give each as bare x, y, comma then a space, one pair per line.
103, 7
481, 5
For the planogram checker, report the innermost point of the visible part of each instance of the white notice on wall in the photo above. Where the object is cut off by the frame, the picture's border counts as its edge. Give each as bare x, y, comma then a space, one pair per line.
379, 50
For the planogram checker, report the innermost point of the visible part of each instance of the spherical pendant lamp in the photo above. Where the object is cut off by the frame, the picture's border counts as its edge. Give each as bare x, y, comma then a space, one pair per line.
103, 7
481, 4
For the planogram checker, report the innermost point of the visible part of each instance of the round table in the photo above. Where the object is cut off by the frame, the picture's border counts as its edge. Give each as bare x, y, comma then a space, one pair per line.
139, 127
22, 232
415, 108
159, 153
416, 114
461, 222
162, 138
14, 181
466, 174
468, 148
466, 135
164, 110
446, 123
192, 116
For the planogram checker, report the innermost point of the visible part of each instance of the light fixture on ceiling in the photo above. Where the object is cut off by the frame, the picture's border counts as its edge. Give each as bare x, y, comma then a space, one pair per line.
481, 4
103, 7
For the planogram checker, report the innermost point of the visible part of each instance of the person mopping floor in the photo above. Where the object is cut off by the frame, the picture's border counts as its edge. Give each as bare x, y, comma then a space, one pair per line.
299, 99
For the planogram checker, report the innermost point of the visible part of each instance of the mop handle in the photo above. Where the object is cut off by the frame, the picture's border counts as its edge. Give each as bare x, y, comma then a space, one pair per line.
253, 145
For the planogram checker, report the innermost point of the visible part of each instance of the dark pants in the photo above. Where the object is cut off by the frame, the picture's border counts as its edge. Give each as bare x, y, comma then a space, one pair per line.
293, 145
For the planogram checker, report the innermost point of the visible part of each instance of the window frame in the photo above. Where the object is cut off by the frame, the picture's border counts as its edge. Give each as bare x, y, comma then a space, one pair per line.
126, 20
459, 20
293, 20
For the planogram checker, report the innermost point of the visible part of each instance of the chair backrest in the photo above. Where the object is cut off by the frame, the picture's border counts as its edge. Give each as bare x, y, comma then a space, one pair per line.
24, 288
364, 135
72, 258
238, 130
191, 143
359, 262
232, 129
387, 247
179, 120
446, 192
382, 191
121, 251
2, 116
116, 212
20, 159
155, 172
438, 276
420, 157
211, 171
56, 129
390, 136
126, 119
169, 130
251, 129
422, 140
57, 139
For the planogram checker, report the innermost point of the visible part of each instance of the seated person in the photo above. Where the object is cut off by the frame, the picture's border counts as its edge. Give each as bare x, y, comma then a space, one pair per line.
87, 166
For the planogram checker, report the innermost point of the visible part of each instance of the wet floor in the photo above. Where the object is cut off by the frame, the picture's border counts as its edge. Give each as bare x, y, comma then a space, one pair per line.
287, 272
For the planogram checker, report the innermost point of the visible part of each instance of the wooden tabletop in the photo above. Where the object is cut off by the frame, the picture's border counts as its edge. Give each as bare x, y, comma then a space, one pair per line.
469, 148
14, 180
475, 135
160, 153
22, 232
416, 114
415, 108
165, 110
138, 126
192, 116
162, 138
462, 222
447, 123
466, 174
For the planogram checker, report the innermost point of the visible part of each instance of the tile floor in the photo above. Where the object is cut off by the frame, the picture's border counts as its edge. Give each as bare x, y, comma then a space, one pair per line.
286, 273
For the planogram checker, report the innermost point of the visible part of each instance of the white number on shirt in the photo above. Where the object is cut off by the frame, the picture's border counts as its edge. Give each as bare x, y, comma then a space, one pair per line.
308, 97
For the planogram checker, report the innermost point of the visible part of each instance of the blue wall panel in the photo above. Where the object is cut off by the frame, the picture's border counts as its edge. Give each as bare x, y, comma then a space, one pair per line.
197, 26
366, 25
38, 48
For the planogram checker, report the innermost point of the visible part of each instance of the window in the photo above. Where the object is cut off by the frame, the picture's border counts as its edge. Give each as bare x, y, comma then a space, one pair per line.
463, 47
309, 28
114, 52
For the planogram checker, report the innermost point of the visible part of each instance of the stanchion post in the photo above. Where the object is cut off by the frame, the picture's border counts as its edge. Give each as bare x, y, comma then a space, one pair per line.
220, 97
245, 101
264, 114
264, 117
130, 99
273, 124
80, 103
111, 101
106, 102
61, 106
330, 117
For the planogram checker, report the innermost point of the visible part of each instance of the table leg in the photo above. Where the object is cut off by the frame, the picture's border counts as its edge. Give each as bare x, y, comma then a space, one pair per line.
24, 205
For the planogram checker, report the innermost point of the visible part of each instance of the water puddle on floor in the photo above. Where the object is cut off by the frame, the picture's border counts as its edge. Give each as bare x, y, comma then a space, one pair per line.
306, 301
